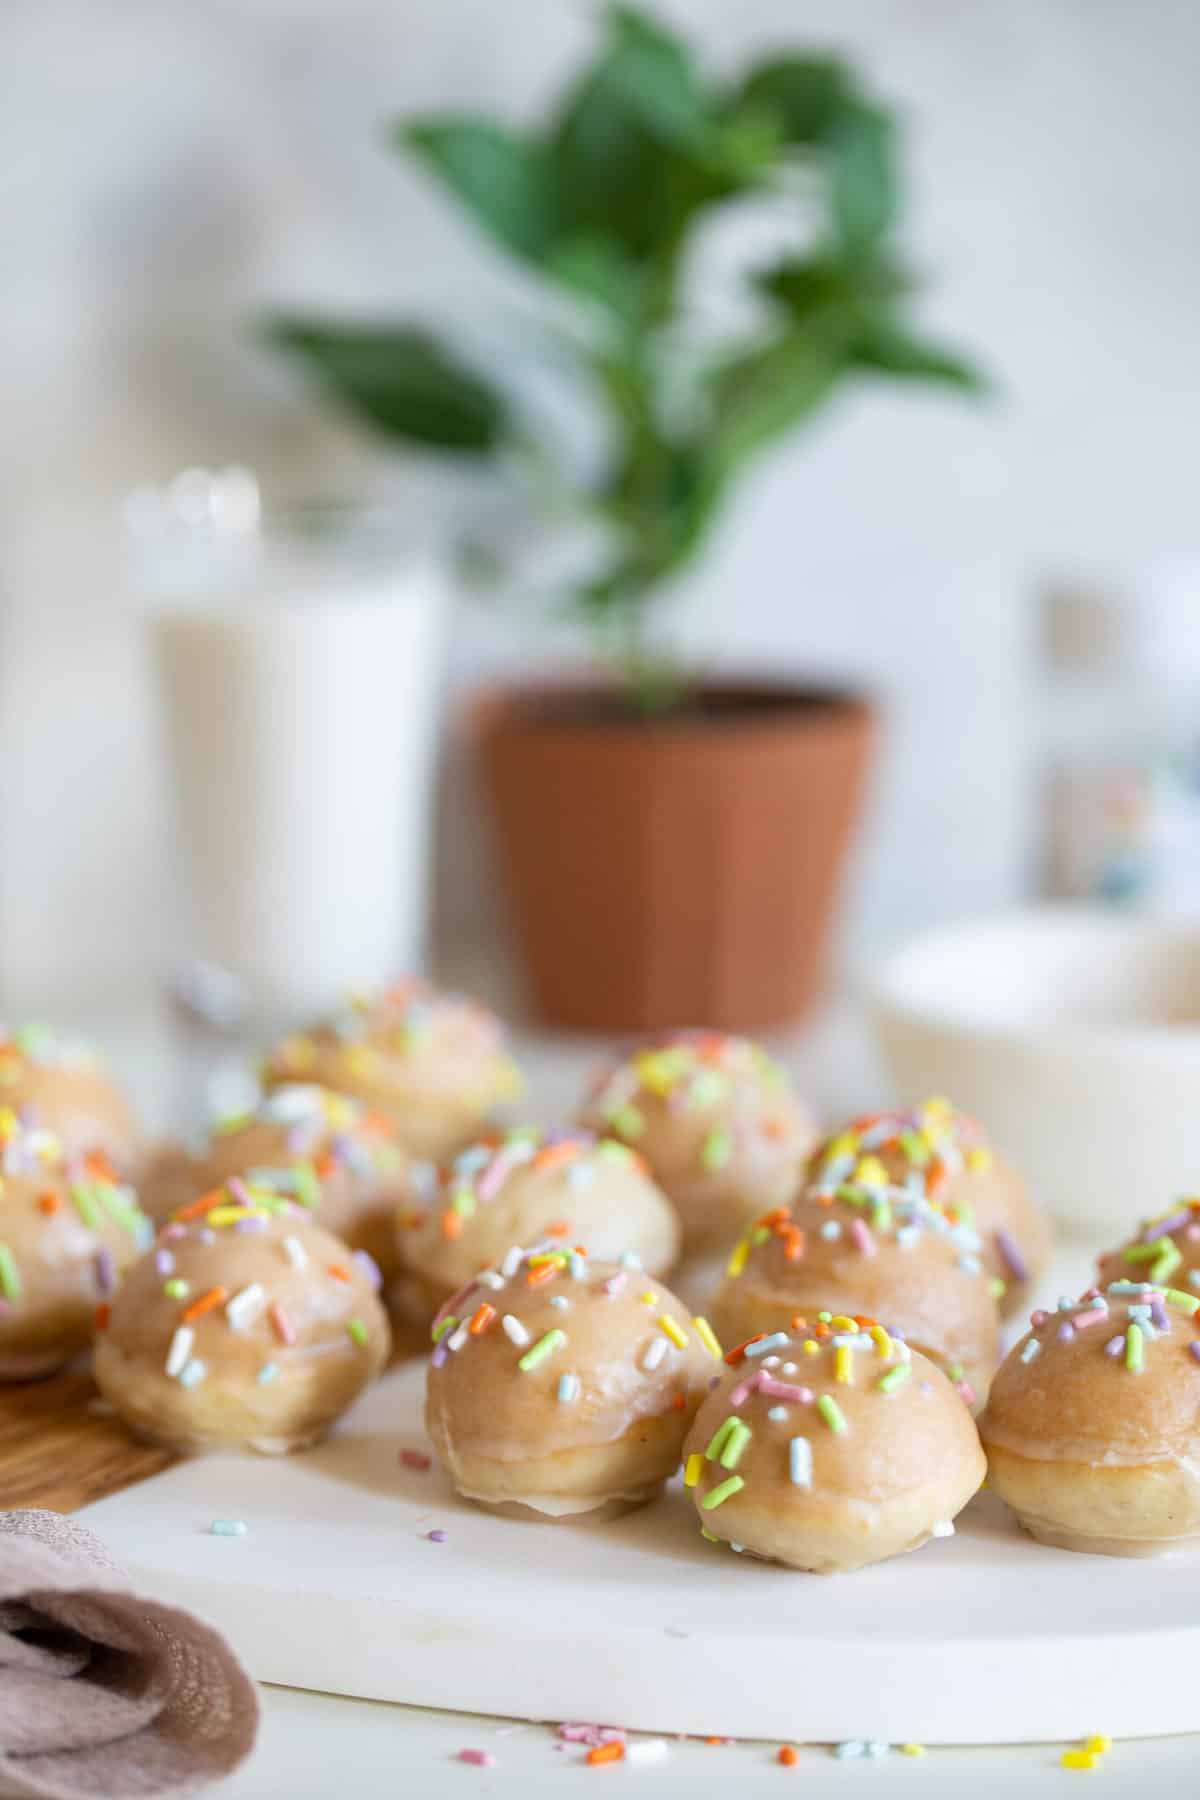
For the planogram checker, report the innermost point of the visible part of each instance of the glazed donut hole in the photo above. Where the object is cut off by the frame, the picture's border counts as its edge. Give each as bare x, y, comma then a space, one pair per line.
328, 1152
940, 1153
1092, 1428
870, 1251
565, 1185
62, 1085
437, 1064
561, 1385
717, 1121
68, 1228
827, 1454
247, 1326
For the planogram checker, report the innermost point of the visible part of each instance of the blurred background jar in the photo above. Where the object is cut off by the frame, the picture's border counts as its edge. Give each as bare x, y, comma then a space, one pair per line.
1120, 738
296, 657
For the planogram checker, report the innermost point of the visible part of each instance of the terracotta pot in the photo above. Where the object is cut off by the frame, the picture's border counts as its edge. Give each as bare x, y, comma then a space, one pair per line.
680, 870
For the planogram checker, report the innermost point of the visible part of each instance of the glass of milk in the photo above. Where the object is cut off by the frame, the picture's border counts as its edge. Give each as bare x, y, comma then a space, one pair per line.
297, 659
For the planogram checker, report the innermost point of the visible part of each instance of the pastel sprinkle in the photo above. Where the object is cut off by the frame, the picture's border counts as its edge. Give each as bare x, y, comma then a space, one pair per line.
785, 1390
800, 1462
1017, 1267
832, 1413
777, 1413
10, 1275
1194, 1348
735, 1443
647, 1750
514, 1330
193, 1373
568, 1388
717, 1149
246, 1305
179, 1350
860, 1231
851, 1747
692, 1469
708, 1336
716, 1442
206, 1303
776, 1341
436, 1537
295, 1252
843, 1365
482, 1759
737, 1262
1031, 1350
653, 1354
356, 1331
725, 1491
267, 1374
545, 1346
1134, 1340
228, 1528
1078, 1759
674, 1330
284, 1329
442, 1326
895, 1378
85, 1202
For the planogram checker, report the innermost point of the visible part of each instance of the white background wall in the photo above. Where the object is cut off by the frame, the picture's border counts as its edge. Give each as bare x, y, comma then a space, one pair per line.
166, 166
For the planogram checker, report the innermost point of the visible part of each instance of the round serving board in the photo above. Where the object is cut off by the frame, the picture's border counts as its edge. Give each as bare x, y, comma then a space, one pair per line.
985, 1637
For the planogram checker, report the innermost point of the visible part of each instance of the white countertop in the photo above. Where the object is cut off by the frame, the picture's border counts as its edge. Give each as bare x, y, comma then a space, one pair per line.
313, 1745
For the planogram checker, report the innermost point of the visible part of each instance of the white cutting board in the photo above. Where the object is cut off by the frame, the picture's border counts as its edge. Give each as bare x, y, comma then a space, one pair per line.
981, 1638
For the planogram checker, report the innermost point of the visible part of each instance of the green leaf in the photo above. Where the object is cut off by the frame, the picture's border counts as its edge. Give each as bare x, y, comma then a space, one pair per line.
804, 94
399, 380
597, 269
507, 183
610, 167
653, 72
810, 285
890, 349
863, 194
766, 391
640, 149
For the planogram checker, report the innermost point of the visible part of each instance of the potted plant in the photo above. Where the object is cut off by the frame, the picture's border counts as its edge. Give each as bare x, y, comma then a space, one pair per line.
671, 845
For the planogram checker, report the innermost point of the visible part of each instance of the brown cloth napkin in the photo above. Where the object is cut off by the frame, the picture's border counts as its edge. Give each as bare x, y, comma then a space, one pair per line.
102, 1692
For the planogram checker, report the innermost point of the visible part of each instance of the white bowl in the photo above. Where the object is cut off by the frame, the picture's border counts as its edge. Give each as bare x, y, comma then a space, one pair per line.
1073, 1036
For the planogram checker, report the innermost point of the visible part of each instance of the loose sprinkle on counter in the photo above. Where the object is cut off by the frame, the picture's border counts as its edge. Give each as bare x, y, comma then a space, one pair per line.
228, 1528
482, 1759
